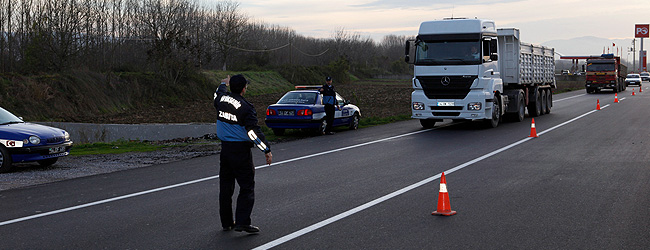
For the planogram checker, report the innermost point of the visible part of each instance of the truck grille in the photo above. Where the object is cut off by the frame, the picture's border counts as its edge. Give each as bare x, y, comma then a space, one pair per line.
457, 88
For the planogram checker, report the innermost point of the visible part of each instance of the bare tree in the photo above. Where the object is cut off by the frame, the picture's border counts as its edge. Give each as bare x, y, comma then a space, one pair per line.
229, 28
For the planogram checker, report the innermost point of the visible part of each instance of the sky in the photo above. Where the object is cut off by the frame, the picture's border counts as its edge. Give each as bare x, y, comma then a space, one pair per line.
540, 21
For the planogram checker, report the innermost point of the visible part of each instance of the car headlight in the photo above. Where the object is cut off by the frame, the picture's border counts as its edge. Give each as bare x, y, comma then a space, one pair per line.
418, 106
34, 140
474, 106
67, 135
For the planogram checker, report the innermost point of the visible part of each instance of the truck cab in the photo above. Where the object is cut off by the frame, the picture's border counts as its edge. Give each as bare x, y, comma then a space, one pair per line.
456, 71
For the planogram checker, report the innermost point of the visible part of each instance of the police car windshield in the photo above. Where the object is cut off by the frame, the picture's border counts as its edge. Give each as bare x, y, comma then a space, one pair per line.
298, 98
8, 118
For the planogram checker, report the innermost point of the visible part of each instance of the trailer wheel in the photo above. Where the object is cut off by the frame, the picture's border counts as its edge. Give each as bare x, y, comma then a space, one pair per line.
549, 101
535, 108
544, 102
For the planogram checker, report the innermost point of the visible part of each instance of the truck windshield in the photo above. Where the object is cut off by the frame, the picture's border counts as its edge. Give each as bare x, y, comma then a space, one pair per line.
448, 53
595, 67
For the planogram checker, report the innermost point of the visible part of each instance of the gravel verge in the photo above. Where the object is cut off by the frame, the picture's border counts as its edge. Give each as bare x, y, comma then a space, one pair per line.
29, 174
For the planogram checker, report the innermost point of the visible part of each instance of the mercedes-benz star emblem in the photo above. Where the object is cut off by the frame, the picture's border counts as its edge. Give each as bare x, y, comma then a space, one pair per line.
445, 81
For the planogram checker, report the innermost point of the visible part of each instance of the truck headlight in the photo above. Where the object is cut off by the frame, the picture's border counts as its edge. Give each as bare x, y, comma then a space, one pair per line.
34, 140
474, 106
418, 106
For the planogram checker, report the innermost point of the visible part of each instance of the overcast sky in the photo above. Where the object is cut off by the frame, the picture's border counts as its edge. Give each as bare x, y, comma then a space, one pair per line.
540, 21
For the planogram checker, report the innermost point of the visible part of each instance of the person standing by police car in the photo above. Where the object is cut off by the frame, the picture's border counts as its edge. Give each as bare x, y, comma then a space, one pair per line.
238, 131
329, 100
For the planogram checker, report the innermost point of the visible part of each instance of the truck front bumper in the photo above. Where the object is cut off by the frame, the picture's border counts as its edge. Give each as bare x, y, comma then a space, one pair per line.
455, 109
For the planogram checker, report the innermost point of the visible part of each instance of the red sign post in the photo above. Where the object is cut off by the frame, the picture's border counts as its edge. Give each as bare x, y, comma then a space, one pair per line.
642, 31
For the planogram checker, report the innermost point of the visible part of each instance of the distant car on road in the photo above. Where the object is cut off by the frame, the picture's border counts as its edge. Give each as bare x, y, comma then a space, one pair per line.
303, 109
633, 79
29, 142
645, 76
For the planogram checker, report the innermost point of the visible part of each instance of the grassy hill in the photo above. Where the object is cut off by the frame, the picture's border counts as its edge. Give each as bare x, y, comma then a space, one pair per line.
84, 96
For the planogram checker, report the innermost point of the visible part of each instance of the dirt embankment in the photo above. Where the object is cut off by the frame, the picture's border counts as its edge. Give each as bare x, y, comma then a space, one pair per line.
375, 100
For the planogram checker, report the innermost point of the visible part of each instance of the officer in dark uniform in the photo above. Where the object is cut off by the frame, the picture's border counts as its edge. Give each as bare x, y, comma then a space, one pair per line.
329, 100
238, 131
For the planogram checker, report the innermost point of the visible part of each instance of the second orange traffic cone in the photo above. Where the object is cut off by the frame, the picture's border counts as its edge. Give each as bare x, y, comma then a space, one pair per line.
633, 92
533, 130
615, 97
444, 208
597, 104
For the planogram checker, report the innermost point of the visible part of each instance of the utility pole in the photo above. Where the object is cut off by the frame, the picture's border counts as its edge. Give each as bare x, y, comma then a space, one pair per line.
634, 54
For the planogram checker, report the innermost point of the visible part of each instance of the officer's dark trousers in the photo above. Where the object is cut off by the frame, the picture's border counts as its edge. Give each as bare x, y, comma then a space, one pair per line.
329, 115
236, 165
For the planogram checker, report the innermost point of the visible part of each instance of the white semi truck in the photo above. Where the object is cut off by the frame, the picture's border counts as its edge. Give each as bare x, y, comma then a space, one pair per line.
466, 69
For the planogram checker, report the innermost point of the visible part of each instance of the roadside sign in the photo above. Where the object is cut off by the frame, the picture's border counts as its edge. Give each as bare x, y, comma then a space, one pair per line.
641, 30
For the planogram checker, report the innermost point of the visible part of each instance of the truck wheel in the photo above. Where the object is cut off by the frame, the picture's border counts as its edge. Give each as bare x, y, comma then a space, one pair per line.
544, 101
496, 113
278, 131
426, 123
549, 101
5, 160
521, 114
535, 108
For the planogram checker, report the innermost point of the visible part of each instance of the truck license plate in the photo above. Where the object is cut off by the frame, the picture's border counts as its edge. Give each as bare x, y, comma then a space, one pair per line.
57, 150
446, 104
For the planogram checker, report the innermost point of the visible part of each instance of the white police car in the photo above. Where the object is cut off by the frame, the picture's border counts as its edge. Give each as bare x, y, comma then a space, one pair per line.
303, 109
28, 142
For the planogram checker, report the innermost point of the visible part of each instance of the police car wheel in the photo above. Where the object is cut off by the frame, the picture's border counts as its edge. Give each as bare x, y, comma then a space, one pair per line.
322, 127
5, 160
354, 123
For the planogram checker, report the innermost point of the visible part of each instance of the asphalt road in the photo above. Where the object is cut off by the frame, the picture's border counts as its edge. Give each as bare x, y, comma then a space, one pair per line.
582, 184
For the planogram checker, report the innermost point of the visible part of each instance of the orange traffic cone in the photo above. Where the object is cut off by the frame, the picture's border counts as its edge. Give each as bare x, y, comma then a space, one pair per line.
633, 92
533, 130
444, 208
615, 97
640, 89
597, 104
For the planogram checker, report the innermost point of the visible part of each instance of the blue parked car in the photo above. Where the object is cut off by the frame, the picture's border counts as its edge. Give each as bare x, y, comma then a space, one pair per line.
303, 109
28, 142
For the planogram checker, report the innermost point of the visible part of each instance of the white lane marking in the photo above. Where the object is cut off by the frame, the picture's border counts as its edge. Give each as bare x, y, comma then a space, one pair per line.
563, 99
360, 208
104, 201
63, 210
